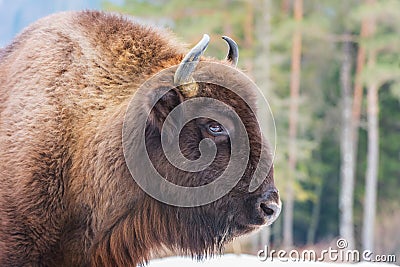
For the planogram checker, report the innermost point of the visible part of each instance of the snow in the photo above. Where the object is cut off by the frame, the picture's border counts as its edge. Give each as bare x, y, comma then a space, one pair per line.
251, 261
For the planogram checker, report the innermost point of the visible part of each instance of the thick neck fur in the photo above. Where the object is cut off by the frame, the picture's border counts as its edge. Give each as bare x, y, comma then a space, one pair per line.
125, 225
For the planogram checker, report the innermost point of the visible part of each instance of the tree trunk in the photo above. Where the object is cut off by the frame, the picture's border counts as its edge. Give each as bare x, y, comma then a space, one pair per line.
372, 169
358, 86
346, 198
285, 7
371, 176
293, 119
348, 167
372, 165
356, 109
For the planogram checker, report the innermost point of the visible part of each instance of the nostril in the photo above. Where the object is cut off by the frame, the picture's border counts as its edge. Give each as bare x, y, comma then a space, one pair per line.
267, 210
269, 205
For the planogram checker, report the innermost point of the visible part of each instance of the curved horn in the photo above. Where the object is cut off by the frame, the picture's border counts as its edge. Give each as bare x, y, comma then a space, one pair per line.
185, 70
233, 53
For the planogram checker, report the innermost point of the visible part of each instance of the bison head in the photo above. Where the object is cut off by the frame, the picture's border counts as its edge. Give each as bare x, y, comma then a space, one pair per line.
193, 143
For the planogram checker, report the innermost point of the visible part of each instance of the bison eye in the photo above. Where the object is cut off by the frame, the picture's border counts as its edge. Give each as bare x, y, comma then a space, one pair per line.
215, 129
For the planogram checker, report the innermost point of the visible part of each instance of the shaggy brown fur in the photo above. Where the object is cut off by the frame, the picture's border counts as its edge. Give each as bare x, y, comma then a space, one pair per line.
66, 195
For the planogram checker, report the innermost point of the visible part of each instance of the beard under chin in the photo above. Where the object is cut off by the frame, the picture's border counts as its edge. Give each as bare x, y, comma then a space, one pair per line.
225, 236
210, 231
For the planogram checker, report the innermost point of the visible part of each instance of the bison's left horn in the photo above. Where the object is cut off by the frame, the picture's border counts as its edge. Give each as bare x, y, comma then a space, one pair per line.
233, 53
183, 75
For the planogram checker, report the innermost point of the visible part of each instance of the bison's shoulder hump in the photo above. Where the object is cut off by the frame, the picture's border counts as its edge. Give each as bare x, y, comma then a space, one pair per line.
109, 34
107, 27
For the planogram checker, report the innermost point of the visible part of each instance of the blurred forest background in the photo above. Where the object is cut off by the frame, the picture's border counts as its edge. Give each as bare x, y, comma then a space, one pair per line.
331, 73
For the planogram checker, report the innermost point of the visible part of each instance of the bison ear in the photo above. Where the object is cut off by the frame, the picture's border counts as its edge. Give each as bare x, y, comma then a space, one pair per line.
165, 99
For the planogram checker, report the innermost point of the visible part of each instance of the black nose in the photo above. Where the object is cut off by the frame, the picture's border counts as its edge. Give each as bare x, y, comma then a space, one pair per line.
270, 205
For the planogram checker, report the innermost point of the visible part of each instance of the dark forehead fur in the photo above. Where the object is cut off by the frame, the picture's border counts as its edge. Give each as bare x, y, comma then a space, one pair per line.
227, 84
65, 192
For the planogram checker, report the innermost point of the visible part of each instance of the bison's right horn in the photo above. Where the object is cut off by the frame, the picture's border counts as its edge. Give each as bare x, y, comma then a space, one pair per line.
233, 53
183, 75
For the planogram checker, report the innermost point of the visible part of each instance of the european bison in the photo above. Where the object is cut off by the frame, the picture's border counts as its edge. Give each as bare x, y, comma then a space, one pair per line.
67, 196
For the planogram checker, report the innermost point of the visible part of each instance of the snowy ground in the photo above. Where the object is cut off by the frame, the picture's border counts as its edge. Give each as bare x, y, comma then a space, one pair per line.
251, 261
